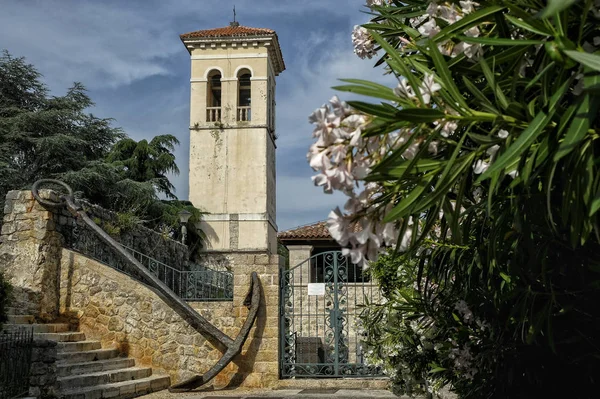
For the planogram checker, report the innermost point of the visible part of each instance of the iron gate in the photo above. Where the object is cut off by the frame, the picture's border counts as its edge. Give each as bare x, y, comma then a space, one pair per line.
320, 302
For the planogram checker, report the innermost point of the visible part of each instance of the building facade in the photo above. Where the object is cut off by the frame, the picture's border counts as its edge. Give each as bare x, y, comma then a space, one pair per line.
232, 135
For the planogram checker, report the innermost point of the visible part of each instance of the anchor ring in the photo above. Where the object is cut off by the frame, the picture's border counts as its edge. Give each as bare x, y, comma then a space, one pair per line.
48, 203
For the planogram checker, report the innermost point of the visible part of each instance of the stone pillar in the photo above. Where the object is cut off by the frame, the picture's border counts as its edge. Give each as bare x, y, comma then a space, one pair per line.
30, 251
300, 254
258, 364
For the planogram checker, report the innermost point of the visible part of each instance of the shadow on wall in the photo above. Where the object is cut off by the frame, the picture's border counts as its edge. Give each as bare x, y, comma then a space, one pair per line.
246, 360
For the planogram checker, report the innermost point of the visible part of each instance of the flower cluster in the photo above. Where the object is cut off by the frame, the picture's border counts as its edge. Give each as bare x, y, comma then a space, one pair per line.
342, 156
364, 47
427, 26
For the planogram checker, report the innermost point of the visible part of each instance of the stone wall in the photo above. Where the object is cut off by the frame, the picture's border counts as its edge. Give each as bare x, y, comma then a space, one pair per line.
42, 377
30, 254
54, 283
122, 313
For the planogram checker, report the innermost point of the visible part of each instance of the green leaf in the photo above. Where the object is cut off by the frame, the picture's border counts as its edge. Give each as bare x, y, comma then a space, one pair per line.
491, 81
586, 112
465, 23
532, 27
577, 129
442, 70
494, 41
437, 370
589, 60
374, 109
528, 136
485, 102
555, 6
419, 115
402, 208
505, 277
386, 94
403, 70
421, 166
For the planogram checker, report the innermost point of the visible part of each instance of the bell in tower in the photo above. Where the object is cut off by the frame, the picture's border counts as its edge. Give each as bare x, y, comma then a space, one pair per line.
232, 134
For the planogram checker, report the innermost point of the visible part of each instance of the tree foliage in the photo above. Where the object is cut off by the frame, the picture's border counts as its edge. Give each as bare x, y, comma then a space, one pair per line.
43, 136
481, 168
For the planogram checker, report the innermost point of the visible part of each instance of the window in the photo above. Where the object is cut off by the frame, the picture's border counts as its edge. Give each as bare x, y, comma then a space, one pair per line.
318, 264
244, 96
213, 100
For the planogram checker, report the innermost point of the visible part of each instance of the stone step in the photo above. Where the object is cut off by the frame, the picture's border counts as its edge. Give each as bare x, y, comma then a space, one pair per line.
120, 390
87, 356
71, 369
103, 378
21, 319
50, 328
80, 346
62, 337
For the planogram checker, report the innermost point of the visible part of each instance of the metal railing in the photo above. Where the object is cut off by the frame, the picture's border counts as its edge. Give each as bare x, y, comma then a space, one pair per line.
15, 362
196, 283
244, 114
199, 284
213, 114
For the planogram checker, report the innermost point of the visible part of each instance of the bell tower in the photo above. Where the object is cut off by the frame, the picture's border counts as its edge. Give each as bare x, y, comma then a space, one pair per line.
232, 134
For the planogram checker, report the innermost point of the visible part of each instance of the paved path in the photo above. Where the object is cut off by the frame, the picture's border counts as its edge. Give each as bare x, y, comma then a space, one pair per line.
275, 394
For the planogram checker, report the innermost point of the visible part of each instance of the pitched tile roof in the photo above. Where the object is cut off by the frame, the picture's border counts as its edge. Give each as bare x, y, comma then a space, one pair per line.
229, 31
314, 231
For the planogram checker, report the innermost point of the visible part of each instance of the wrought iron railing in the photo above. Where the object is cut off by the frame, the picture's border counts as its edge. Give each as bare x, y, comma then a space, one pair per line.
199, 283
213, 114
244, 114
15, 362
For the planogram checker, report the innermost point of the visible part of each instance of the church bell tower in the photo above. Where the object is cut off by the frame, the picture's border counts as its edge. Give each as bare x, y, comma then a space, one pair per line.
232, 135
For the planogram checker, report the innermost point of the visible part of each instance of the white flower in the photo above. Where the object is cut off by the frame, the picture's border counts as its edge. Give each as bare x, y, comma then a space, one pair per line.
447, 127
406, 237
433, 147
428, 87
502, 133
468, 6
337, 225
492, 151
480, 167
363, 43
371, 3
322, 180
411, 151
429, 28
339, 107
404, 90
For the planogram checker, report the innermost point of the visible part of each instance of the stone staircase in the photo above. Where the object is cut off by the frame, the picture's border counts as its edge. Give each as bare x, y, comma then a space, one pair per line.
85, 370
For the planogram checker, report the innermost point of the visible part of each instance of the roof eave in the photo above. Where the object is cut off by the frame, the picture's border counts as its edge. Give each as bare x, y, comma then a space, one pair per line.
278, 62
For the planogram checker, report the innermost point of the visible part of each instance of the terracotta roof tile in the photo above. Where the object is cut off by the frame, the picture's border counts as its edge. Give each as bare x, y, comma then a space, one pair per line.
312, 231
229, 31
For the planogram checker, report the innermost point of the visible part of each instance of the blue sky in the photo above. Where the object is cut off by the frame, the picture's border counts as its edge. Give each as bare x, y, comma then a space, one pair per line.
129, 56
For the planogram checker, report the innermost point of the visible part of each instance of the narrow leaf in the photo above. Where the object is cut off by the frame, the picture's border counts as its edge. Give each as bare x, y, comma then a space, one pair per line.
494, 41
555, 6
589, 60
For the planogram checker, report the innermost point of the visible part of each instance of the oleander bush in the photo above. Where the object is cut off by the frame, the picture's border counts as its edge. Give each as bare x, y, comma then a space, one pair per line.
478, 174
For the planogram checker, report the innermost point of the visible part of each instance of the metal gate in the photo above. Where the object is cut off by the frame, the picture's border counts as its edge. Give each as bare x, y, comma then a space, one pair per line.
320, 302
